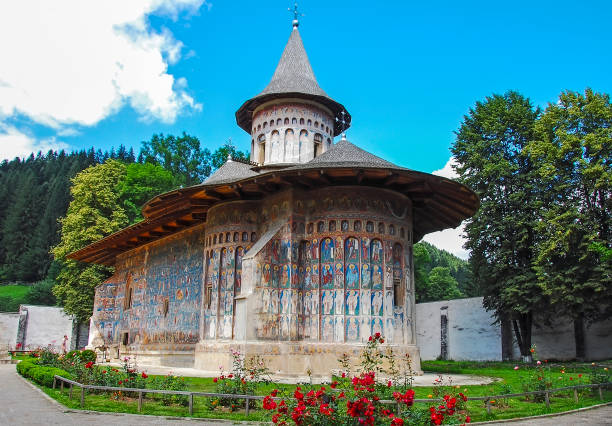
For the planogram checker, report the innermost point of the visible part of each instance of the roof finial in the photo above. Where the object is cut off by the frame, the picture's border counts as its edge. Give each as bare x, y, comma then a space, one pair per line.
230, 149
296, 14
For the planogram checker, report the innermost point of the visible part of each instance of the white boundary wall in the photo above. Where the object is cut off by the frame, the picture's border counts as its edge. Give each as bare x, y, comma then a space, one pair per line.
471, 334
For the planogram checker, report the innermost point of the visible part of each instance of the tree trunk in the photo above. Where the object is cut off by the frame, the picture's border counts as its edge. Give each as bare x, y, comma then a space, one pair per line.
522, 331
506, 337
579, 338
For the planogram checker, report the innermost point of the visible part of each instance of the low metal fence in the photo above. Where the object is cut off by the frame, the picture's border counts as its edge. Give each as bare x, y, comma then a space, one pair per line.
248, 398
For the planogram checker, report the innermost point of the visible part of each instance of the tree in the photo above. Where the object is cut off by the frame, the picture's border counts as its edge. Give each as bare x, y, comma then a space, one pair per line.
93, 214
182, 156
442, 285
489, 150
221, 154
140, 184
105, 199
573, 152
427, 257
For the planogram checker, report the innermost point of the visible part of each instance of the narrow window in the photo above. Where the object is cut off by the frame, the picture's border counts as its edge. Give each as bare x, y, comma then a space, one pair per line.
381, 228
253, 236
286, 121
332, 226
235, 237
320, 226
398, 292
245, 236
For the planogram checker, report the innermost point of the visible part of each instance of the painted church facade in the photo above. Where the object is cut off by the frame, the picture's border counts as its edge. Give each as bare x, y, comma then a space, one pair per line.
298, 255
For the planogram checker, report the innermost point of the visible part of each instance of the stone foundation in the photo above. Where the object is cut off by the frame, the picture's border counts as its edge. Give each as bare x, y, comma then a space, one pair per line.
292, 359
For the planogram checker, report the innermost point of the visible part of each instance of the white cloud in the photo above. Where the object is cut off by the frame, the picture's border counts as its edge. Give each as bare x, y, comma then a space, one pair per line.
15, 143
450, 240
76, 61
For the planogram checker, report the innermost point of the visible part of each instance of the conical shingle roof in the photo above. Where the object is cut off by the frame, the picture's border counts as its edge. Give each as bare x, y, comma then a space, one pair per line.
229, 172
293, 73
293, 78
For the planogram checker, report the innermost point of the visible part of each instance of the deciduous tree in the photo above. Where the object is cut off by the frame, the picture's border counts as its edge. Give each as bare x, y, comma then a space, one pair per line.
573, 154
489, 149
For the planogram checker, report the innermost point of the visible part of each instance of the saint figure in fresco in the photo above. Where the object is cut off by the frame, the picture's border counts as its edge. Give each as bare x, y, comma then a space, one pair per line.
327, 276
376, 252
377, 303
326, 250
377, 276
352, 249
285, 277
352, 302
266, 274
328, 302
352, 329
352, 276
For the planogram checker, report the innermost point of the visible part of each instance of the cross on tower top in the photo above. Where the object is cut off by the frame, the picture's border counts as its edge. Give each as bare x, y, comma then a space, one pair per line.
296, 14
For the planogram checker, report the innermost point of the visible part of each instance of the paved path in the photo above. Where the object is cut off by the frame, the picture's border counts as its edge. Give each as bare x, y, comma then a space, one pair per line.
595, 416
426, 379
23, 404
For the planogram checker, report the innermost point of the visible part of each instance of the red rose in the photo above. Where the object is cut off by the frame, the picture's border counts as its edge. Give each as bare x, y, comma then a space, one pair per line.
144, 375
215, 380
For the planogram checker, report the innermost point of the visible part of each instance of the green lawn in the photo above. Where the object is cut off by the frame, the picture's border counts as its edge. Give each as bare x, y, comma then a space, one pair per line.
14, 291
508, 381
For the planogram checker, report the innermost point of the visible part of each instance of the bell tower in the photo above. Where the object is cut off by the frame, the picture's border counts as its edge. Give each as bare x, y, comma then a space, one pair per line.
292, 120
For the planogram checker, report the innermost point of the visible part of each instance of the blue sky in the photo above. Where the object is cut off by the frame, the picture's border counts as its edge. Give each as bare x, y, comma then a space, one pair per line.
81, 74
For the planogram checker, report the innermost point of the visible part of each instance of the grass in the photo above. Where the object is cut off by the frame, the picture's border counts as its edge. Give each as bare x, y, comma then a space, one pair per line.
14, 291
508, 381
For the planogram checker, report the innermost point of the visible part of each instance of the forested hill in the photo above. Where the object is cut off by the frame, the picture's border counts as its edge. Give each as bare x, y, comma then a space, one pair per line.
34, 194
440, 275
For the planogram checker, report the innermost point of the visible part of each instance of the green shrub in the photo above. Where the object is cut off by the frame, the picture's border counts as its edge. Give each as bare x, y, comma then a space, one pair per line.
88, 356
40, 374
24, 366
44, 375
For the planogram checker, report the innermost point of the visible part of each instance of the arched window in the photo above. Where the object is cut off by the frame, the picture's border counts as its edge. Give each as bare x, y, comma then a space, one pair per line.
227, 237
286, 121
215, 239
253, 236
129, 293
238, 274
288, 145
381, 228
279, 122
391, 230
261, 138
235, 237
303, 144
369, 227
294, 120
317, 144
310, 228
316, 124
220, 238
271, 123
301, 121
357, 226
332, 226
310, 123
320, 226
259, 127
265, 124
344, 226
398, 288
245, 236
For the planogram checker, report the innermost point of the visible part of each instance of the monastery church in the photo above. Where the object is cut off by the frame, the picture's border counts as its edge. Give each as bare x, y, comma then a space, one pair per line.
298, 255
